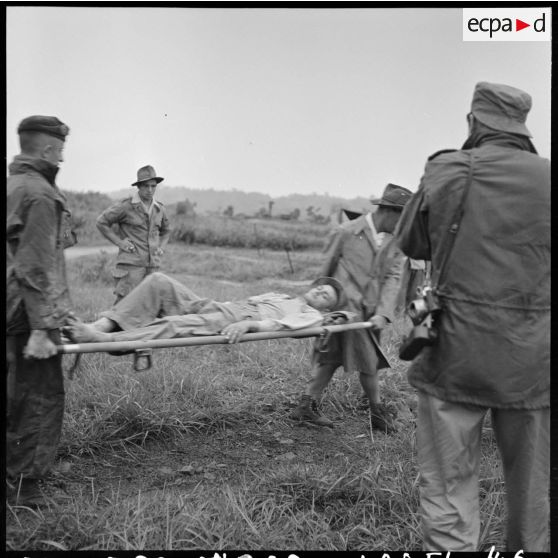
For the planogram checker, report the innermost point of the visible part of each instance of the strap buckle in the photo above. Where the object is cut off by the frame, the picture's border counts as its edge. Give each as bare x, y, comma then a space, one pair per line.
323, 341
142, 360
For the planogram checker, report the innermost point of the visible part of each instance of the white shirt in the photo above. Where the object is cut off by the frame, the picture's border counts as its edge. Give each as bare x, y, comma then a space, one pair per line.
285, 311
137, 199
378, 237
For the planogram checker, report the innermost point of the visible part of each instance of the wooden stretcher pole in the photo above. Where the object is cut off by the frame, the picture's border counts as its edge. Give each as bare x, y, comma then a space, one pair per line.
118, 346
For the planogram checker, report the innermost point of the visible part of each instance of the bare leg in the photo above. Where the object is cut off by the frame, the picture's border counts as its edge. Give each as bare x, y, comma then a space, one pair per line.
380, 416
370, 385
321, 376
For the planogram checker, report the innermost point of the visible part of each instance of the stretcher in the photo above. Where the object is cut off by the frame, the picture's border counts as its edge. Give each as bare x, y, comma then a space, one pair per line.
142, 350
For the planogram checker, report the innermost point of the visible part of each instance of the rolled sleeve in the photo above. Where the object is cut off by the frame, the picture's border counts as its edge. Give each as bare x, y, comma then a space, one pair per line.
165, 228
111, 215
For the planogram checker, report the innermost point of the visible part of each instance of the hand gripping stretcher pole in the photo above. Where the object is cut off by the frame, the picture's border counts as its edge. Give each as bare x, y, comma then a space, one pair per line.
142, 349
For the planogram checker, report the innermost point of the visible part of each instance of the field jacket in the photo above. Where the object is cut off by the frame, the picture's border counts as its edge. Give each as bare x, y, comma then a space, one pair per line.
370, 275
144, 231
493, 346
37, 231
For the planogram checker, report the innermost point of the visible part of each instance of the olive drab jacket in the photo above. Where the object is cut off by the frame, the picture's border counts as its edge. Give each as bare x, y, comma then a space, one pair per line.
38, 228
143, 230
370, 275
493, 346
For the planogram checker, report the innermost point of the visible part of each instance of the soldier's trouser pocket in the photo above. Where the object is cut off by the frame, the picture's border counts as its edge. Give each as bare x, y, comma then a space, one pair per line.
126, 278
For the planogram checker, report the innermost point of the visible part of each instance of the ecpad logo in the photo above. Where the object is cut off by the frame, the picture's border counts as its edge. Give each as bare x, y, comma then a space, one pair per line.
495, 24
507, 24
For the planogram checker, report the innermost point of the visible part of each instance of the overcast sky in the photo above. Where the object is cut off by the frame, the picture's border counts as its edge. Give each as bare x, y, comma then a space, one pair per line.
278, 101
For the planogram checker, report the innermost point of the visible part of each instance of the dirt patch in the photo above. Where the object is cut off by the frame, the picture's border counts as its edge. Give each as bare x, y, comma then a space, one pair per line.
223, 454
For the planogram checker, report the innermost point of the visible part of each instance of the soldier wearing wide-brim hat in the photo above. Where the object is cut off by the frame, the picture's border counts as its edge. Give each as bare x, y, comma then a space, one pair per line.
147, 173
393, 196
143, 232
481, 216
362, 256
37, 303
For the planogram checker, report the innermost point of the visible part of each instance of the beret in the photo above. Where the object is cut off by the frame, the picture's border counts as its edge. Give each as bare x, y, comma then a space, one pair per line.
46, 124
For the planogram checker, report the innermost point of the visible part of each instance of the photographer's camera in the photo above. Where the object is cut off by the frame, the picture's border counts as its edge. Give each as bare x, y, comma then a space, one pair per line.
422, 312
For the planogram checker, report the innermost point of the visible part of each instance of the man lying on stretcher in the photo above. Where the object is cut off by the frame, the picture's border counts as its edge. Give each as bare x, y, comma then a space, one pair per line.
162, 308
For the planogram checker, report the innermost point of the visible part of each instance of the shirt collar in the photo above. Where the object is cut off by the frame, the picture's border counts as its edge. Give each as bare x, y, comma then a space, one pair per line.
137, 199
378, 237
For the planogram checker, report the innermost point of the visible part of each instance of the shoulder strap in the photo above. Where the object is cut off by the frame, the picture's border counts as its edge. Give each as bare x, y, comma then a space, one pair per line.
441, 152
454, 226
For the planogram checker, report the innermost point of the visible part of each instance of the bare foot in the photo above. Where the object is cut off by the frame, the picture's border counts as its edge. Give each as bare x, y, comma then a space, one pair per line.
81, 332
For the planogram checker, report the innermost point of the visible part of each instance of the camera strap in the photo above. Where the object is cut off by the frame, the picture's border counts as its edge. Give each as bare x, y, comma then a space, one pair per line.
454, 225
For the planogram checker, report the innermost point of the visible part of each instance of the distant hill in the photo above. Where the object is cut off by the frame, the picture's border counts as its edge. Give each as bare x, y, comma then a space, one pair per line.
250, 203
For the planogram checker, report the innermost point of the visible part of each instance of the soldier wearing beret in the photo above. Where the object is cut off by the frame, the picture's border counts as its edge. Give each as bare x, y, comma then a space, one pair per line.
481, 216
37, 303
361, 255
142, 232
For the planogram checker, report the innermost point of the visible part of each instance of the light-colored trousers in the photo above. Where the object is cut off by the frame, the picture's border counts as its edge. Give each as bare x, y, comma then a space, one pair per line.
162, 308
449, 450
127, 277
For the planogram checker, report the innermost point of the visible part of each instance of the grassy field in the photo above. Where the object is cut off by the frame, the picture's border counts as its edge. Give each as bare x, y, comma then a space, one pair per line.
199, 452
207, 229
215, 230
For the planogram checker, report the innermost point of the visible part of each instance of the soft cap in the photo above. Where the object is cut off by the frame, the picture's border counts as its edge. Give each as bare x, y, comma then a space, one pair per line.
393, 196
501, 107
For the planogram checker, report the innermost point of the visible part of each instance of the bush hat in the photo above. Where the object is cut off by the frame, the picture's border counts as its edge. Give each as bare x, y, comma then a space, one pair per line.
501, 107
49, 125
393, 196
147, 173
338, 287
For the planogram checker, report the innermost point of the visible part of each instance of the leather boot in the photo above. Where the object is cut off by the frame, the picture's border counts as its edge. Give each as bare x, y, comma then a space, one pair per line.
308, 411
382, 419
27, 492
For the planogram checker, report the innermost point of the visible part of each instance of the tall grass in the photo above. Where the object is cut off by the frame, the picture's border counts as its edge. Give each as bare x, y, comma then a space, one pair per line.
208, 229
199, 452
215, 230
85, 208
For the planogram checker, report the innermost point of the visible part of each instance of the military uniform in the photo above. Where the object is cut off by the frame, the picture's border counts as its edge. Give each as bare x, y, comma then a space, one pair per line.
370, 273
492, 352
37, 298
144, 229
162, 308
368, 264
